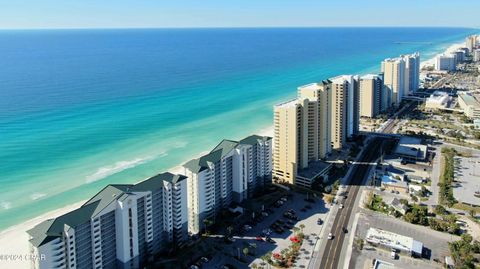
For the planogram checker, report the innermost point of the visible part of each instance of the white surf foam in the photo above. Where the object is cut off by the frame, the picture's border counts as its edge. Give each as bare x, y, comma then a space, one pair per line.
37, 196
118, 167
5, 205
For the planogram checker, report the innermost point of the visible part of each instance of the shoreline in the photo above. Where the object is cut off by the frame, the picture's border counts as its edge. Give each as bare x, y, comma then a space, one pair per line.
14, 239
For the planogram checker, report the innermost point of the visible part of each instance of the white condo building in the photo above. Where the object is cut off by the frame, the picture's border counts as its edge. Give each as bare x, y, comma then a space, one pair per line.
120, 227
231, 172
412, 72
445, 62
352, 102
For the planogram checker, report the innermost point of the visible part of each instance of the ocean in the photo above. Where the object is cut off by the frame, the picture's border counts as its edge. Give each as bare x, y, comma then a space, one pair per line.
80, 109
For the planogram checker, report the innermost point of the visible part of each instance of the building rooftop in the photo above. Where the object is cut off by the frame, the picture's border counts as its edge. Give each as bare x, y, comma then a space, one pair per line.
411, 147
370, 76
469, 99
389, 180
313, 170
290, 103
383, 265
220, 151
393, 240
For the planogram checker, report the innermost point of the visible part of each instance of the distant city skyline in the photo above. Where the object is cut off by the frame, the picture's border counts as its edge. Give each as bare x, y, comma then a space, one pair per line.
27, 14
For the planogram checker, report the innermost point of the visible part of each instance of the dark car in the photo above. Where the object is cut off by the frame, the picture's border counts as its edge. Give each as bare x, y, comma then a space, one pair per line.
345, 230
270, 240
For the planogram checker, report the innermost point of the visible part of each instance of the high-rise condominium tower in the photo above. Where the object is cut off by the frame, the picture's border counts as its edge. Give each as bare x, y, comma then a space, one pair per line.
231, 172
394, 79
117, 228
370, 95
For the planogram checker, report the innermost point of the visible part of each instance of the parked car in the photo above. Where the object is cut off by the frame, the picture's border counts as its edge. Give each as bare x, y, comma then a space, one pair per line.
270, 240
341, 206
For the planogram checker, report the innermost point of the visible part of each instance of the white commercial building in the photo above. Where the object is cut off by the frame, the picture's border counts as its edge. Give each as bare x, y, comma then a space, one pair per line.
118, 228
470, 105
476, 55
231, 172
438, 100
394, 241
445, 62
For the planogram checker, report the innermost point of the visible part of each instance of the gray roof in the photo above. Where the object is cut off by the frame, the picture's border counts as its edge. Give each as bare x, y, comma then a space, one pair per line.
156, 182
220, 151
50, 229
253, 139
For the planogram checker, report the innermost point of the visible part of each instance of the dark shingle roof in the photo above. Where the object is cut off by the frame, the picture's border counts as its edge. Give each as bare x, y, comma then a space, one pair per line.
156, 182
221, 150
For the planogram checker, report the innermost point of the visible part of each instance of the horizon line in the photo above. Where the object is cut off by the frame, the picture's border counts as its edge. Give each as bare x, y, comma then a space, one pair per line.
229, 27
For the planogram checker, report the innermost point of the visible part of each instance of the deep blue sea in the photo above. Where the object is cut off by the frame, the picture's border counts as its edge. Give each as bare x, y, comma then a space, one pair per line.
80, 109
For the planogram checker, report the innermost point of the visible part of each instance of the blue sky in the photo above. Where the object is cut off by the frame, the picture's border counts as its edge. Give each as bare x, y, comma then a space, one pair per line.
235, 13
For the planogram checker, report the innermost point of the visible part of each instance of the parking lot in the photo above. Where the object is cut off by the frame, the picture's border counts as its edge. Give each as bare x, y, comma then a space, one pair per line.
435, 243
277, 228
467, 175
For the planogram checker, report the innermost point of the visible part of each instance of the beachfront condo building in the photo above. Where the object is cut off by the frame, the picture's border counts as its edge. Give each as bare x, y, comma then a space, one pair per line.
412, 72
307, 128
393, 70
471, 42
318, 137
370, 95
120, 227
345, 106
290, 136
230, 173
445, 62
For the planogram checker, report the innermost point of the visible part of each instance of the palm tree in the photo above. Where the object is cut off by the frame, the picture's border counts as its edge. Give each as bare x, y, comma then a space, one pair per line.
302, 226
245, 252
295, 230
229, 229
207, 223
254, 266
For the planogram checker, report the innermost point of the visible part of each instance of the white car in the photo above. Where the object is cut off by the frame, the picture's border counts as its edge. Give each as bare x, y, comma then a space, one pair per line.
330, 236
341, 206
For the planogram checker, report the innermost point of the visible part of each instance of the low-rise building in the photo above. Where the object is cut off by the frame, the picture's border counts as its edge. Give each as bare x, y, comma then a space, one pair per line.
470, 105
390, 183
395, 241
438, 100
411, 149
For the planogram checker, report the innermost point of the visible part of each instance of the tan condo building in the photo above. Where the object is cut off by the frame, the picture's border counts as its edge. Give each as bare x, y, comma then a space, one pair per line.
370, 95
394, 80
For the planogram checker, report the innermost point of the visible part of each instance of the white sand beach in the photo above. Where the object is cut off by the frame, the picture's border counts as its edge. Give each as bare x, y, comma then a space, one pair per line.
14, 240
431, 61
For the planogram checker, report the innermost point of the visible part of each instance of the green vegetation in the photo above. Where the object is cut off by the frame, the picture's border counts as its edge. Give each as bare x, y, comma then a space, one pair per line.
446, 179
463, 250
440, 220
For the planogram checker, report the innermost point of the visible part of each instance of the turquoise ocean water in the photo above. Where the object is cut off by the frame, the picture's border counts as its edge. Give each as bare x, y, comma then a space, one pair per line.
80, 109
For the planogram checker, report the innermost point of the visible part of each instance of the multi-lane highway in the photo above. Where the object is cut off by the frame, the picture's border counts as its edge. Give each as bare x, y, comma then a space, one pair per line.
333, 249
331, 255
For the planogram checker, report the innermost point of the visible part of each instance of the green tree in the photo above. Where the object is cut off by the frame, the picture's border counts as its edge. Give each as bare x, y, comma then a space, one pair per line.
302, 226
245, 252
